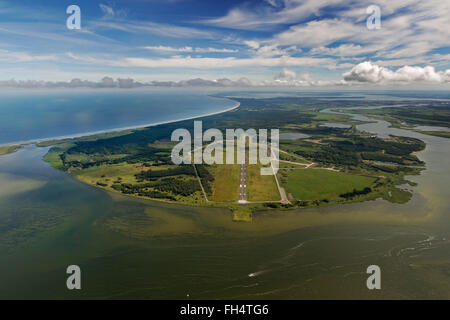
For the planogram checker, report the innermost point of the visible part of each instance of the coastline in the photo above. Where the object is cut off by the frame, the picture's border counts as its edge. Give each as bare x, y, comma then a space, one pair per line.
8, 149
92, 133
239, 213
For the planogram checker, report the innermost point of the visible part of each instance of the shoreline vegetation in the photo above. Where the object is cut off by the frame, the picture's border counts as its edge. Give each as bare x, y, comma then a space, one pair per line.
9, 149
442, 134
332, 166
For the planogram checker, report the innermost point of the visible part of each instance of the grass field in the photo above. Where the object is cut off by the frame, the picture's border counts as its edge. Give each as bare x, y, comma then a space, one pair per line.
397, 195
53, 156
226, 182
318, 184
110, 176
330, 117
108, 173
54, 160
260, 188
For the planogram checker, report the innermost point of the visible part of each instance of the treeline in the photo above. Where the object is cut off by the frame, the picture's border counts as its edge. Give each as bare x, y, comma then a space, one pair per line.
141, 190
178, 187
328, 155
383, 157
206, 177
358, 144
151, 174
431, 115
394, 169
297, 203
351, 151
135, 142
165, 188
259, 113
157, 156
355, 193
324, 130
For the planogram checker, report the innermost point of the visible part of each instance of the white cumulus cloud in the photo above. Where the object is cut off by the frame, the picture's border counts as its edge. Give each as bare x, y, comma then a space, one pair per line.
373, 73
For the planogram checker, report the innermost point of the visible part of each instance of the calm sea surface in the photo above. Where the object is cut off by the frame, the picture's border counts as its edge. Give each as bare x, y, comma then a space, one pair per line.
37, 114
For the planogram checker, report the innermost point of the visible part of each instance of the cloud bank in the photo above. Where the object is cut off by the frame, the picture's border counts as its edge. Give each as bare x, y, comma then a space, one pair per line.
373, 73
108, 82
189, 49
365, 72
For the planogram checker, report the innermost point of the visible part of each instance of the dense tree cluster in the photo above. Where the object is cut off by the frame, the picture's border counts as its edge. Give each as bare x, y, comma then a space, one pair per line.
164, 188
206, 177
429, 115
393, 169
150, 174
355, 192
178, 187
359, 144
352, 150
384, 157
329, 155
157, 156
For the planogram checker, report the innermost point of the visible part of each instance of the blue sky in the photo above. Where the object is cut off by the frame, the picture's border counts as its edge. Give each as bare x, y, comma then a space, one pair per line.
281, 42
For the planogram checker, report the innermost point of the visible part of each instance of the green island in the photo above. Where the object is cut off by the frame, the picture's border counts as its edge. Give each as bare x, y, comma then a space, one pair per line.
435, 114
332, 165
8, 149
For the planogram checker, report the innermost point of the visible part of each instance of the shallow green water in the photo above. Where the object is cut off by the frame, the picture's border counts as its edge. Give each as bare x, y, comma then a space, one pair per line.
48, 220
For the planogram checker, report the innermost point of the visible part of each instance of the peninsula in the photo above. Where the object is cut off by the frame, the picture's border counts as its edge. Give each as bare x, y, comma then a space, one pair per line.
321, 163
